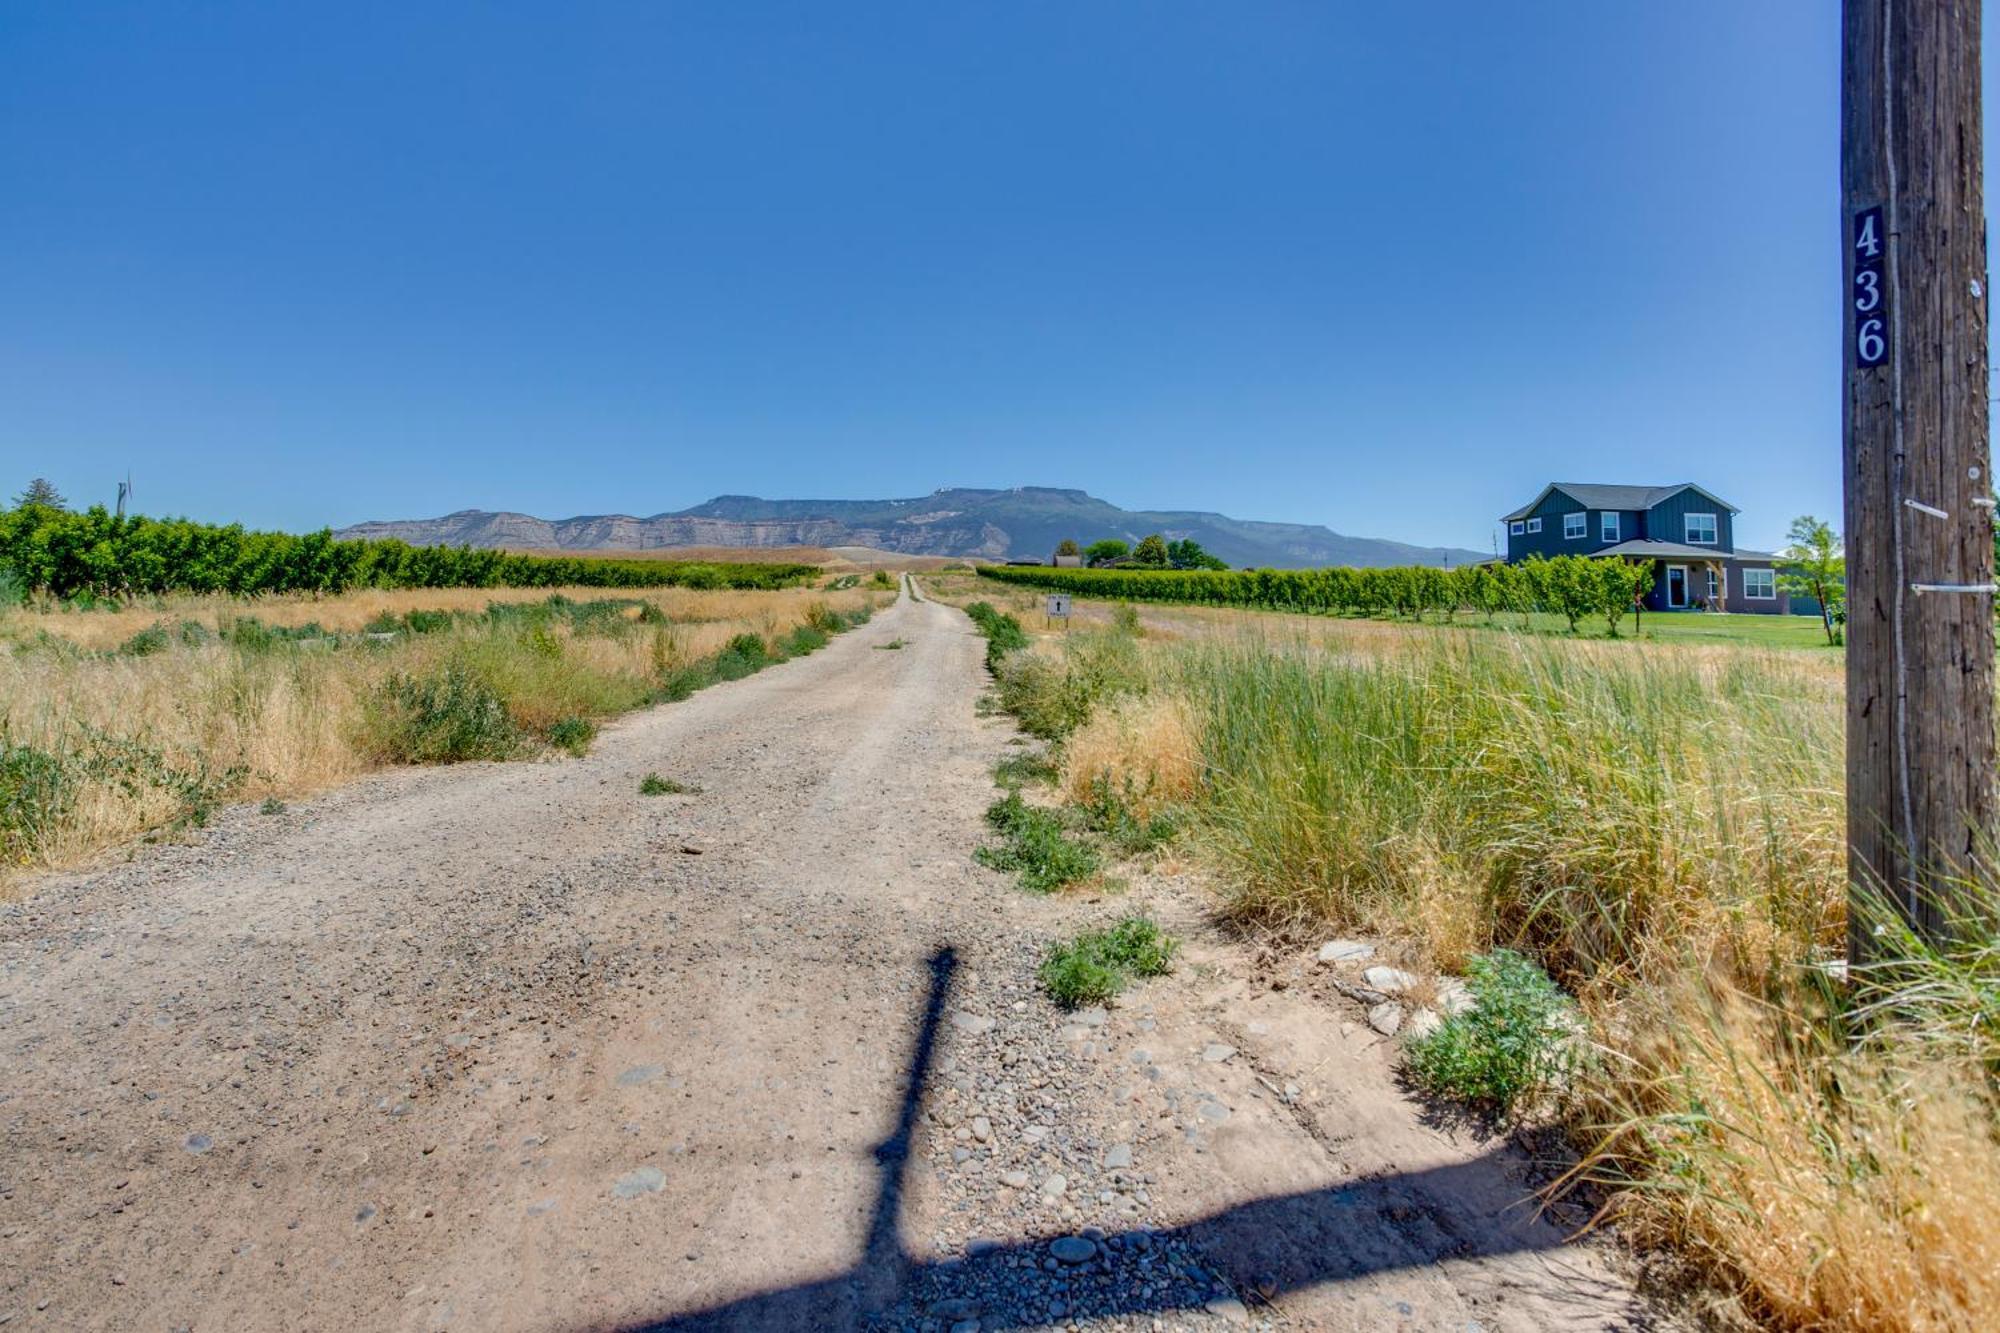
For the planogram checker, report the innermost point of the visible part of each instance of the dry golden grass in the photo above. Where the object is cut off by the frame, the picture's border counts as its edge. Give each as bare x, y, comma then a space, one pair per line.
292, 721
1145, 747
1828, 1188
350, 611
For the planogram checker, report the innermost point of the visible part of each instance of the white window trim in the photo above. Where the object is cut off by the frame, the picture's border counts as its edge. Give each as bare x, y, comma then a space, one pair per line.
1534, 525
1718, 585
1770, 596
1514, 528
1609, 526
1714, 525
1667, 588
1582, 518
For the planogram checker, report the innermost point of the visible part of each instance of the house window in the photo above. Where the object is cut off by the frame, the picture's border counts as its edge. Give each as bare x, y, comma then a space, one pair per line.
1534, 525
1575, 526
1714, 595
1514, 529
1700, 529
1607, 527
1760, 585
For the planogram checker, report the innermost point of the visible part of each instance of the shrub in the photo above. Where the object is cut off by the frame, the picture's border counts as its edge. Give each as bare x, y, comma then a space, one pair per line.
743, 655
824, 618
150, 640
573, 734
882, 579
1518, 1041
1053, 696
271, 806
1097, 964
1034, 847
1114, 813
443, 717
1003, 633
655, 785
426, 622
805, 639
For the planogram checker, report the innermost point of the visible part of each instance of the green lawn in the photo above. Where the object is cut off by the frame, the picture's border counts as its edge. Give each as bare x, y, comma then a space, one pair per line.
1704, 627
1679, 627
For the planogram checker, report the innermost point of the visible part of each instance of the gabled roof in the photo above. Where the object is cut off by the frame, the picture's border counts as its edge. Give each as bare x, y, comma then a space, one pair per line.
1593, 496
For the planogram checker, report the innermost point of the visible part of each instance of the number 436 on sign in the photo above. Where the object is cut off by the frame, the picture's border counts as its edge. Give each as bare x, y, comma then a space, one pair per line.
1869, 294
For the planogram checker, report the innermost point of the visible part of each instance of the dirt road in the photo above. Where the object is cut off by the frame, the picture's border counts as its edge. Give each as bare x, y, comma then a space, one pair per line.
513, 1046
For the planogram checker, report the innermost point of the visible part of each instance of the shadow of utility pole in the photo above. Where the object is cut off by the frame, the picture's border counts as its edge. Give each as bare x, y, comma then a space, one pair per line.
1282, 1243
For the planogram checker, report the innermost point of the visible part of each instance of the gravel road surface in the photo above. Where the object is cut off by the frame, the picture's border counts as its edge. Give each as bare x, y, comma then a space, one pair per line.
511, 1046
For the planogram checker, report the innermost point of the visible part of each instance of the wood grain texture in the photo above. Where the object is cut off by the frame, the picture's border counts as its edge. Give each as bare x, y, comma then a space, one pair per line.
1920, 665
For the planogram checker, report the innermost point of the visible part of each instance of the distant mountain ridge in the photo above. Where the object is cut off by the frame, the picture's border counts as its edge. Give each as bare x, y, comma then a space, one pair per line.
1025, 522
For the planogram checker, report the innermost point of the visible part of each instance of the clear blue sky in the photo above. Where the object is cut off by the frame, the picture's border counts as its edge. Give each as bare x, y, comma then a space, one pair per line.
1387, 267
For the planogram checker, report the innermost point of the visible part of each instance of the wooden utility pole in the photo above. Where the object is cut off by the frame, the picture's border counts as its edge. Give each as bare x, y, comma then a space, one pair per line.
1920, 709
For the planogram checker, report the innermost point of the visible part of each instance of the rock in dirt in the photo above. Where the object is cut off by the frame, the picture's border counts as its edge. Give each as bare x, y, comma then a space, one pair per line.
1389, 980
1073, 1249
1228, 1308
1345, 951
1386, 1018
645, 1180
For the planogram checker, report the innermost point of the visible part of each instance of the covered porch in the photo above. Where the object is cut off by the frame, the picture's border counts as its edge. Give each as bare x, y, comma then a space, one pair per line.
1685, 578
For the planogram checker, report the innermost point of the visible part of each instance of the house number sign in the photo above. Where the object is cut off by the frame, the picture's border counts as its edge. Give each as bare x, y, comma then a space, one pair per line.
1870, 292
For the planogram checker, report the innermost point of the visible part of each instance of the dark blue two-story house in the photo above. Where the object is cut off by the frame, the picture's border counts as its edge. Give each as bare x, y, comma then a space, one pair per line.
1684, 533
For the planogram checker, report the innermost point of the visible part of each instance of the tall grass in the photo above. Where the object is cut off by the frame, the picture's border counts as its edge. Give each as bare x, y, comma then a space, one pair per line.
1662, 828
1598, 805
98, 745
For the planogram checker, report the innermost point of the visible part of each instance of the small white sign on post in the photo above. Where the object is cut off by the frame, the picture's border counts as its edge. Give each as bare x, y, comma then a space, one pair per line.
1058, 608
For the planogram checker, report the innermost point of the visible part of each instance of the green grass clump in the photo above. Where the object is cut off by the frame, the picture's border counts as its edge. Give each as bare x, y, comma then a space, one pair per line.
1097, 964
1003, 633
150, 640
445, 716
1519, 1042
573, 734
1112, 813
825, 619
1034, 846
655, 785
890, 646
1018, 770
271, 806
805, 639
882, 579
36, 791
1053, 696
742, 656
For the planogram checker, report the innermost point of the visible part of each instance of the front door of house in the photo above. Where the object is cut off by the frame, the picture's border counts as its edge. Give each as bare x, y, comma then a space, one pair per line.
1677, 587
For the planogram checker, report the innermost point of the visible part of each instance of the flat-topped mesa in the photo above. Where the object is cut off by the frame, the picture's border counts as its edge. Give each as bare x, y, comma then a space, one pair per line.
1023, 522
